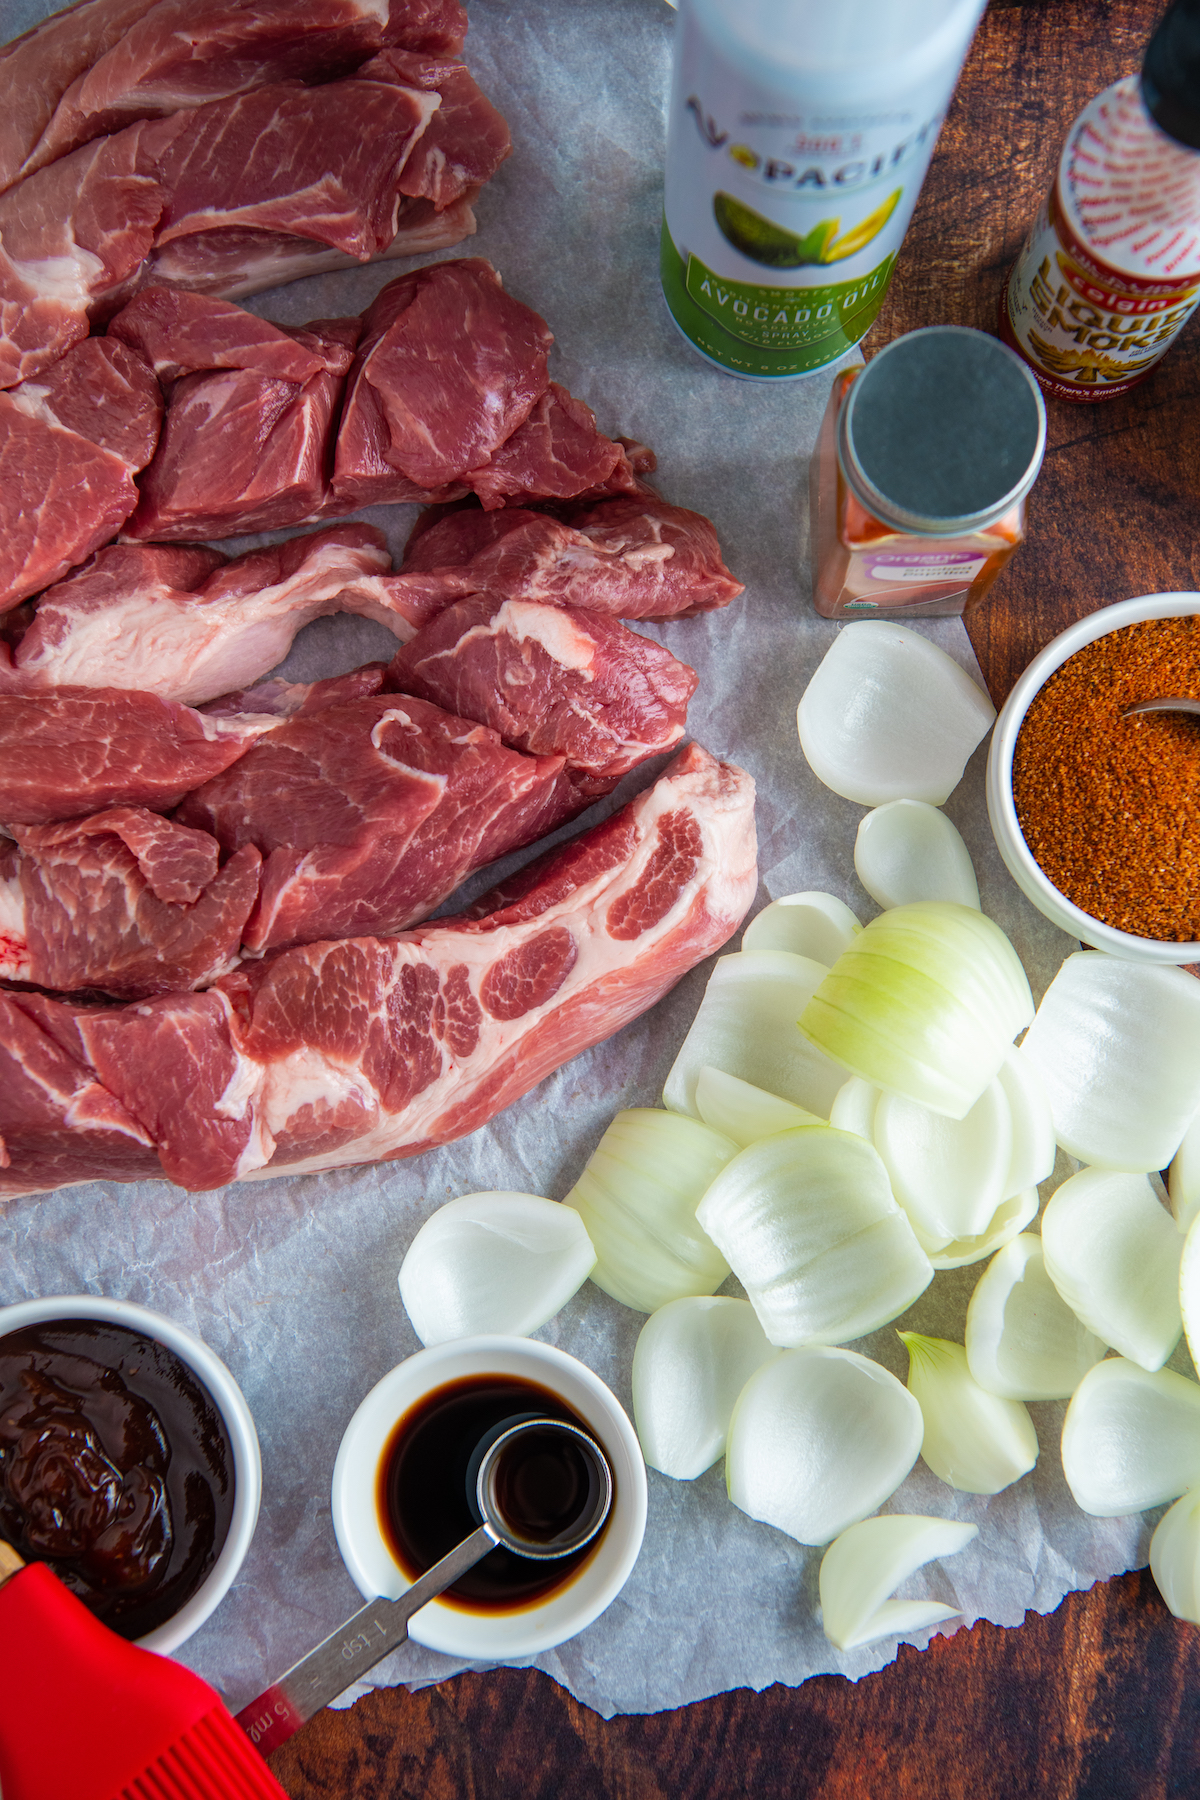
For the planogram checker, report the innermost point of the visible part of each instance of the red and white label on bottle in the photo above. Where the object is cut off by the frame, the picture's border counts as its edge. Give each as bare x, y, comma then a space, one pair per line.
1090, 327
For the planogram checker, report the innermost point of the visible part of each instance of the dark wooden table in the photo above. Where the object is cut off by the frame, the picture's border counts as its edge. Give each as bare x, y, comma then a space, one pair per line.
1101, 1699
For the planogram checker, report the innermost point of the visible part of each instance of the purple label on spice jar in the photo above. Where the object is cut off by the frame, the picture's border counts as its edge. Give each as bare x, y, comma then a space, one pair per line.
924, 565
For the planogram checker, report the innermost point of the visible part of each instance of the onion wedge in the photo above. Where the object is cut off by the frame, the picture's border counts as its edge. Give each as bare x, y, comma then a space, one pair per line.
692, 1360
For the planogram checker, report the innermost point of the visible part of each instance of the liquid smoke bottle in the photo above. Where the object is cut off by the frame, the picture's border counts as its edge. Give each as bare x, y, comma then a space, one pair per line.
1110, 272
799, 134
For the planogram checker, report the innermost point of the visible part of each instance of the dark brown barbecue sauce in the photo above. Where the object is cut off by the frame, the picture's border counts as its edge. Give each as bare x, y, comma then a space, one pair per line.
426, 1486
115, 1468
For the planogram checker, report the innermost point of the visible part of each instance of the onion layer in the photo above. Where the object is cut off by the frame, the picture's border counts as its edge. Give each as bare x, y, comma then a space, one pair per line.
819, 1439
1131, 1439
494, 1262
1023, 1342
973, 1441
1113, 1252
692, 1360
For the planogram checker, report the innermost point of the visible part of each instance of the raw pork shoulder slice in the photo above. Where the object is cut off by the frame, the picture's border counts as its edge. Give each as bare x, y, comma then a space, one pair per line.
319, 164
284, 699
178, 54
370, 814
124, 901
189, 626
635, 557
71, 443
71, 751
233, 264
37, 68
58, 1122
245, 445
465, 141
373, 1049
448, 367
552, 680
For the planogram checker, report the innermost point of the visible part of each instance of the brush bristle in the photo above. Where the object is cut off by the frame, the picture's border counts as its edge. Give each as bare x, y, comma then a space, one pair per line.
213, 1760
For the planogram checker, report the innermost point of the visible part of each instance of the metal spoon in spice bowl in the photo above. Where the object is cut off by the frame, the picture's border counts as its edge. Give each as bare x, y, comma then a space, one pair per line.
1168, 703
544, 1489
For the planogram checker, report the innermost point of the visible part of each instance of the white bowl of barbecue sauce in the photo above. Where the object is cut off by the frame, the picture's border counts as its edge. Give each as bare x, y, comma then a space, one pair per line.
400, 1487
128, 1461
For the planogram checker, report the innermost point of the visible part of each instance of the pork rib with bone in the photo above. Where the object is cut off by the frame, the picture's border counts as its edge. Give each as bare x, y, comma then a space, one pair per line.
376, 1048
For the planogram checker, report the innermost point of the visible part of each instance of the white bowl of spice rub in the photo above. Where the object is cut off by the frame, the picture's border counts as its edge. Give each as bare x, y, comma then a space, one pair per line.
1096, 810
128, 1461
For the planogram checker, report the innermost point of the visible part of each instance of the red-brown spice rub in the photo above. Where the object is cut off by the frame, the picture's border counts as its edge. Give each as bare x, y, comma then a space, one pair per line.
1110, 807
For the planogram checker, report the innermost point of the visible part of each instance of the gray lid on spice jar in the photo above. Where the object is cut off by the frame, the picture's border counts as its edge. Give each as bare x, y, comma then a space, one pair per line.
942, 432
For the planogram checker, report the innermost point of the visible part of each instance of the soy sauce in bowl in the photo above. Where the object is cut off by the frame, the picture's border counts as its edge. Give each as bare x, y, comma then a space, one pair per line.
426, 1485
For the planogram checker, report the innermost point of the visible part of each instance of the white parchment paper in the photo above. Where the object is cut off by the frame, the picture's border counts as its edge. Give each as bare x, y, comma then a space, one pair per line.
293, 1282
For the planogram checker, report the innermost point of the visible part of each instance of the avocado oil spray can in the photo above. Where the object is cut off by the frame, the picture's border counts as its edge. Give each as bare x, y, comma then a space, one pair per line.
799, 134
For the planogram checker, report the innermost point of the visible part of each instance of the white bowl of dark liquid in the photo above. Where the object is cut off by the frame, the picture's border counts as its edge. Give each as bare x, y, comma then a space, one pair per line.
403, 1476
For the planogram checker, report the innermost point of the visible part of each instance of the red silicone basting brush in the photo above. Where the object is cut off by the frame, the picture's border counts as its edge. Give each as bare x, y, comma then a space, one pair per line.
86, 1716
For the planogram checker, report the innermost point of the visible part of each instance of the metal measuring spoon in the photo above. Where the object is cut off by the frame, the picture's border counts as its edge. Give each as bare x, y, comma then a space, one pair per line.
1165, 703
382, 1624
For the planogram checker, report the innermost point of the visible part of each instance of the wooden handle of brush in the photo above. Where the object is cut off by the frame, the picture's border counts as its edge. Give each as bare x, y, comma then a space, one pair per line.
10, 1562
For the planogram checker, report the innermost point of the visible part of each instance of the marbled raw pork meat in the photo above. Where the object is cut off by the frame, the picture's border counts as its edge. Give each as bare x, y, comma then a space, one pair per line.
368, 815
70, 751
250, 415
634, 556
183, 53
38, 67
377, 1048
552, 680
185, 623
124, 901
450, 371
71, 443
317, 165
448, 392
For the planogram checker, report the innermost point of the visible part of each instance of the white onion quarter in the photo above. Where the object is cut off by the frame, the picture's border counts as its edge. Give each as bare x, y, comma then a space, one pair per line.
746, 1026
807, 1223
889, 716
819, 1439
1175, 1557
974, 1441
692, 1360
815, 925
1117, 1046
637, 1198
494, 1262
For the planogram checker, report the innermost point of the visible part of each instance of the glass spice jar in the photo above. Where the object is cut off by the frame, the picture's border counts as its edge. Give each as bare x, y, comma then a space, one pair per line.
919, 477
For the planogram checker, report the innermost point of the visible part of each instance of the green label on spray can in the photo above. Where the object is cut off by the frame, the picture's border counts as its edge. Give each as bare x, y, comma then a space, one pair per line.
767, 331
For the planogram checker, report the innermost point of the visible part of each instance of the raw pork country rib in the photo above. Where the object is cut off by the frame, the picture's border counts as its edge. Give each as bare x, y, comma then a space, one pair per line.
124, 901
449, 370
370, 814
552, 680
70, 446
186, 624
373, 1049
71, 751
245, 445
99, 65
634, 556
317, 165
182, 53
448, 393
